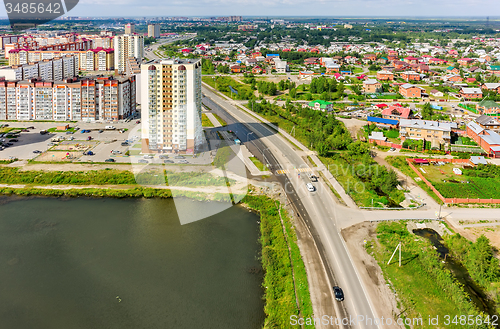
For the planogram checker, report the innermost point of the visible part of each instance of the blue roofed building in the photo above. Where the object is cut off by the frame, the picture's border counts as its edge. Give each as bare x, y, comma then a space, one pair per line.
381, 122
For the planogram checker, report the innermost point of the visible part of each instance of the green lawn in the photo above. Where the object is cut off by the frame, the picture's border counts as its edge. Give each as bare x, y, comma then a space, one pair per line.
205, 121
222, 122
258, 164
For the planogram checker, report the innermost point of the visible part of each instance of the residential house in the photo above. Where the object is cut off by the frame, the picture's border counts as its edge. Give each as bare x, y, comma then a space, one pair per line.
396, 112
452, 70
436, 61
436, 93
465, 61
410, 91
471, 93
433, 131
487, 122
495, 69
385, 75
311, 61
410, 76
332, 67
411, 60
256, 69
250, 61
371, 86
487, 139
489, 108
452, 78
280, 66
321, 105
236, 69
492, 87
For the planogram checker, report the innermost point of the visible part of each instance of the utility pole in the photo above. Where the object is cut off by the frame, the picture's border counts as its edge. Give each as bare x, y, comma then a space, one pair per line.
398, 246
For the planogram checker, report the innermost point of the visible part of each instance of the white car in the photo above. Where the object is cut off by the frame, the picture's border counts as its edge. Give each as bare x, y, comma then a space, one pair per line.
310, 187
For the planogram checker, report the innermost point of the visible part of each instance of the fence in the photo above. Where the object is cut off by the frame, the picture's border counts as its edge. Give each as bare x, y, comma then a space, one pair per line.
449, 200
467, 107
383, 143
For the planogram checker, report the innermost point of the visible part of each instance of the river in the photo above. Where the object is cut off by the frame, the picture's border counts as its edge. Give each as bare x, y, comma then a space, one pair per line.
127, 263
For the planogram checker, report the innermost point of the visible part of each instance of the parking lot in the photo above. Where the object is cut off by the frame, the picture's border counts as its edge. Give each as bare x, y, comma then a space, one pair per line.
32, 140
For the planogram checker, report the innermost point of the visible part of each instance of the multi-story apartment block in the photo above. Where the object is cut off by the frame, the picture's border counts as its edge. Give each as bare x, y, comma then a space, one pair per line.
92, 99
154, 30
48, 69
435, 132
127, 46
129, 28
99, 59
83, 44
171, 106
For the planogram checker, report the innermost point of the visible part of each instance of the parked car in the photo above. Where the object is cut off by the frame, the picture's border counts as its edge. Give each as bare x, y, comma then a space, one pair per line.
339, 294
37, 151
179, 157
109, 160
25, 130
183, 161
69, 133
143, 161
100, 131
110, 127
168, 161
83, 131
88, 153
124, 144
310, 187
30, 127
43, 132
116, 152
163, 156
89, 138
9, 144
148, 156
138, 121
312, 177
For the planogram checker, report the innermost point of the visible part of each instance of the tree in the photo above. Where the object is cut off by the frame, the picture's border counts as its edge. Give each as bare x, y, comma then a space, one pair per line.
293, 93
427, 112
358, 148
323, 149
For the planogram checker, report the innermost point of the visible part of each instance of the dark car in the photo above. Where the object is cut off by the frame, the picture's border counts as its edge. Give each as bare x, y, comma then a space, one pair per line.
89, 138
30, 127
163, 156
9, 144
43, 132
179, 157
143, 161
124, 144
109, 160
100, 131
14, 140
138, 121
339, 294
37, 151
25, 130
69, 133
88, 153
168, 161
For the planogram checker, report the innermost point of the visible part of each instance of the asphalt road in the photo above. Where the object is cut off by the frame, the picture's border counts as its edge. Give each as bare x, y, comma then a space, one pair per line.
317, 209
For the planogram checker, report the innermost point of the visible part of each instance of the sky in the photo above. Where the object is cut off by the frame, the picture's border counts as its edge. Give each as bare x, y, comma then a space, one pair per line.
334, 8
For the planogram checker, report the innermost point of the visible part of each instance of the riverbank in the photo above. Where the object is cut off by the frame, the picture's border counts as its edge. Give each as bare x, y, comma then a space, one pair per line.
286, 289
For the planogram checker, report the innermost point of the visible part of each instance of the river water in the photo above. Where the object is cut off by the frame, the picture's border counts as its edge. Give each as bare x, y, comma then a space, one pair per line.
114, 263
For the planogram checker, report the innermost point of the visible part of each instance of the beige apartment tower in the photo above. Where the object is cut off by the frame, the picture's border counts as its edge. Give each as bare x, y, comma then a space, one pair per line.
171, 106
127, 46
154, 31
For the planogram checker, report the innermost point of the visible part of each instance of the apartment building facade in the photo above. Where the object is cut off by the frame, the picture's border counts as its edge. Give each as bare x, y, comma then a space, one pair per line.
171, 106
48, 69
90, 100
99, 59
154, 31
126, 46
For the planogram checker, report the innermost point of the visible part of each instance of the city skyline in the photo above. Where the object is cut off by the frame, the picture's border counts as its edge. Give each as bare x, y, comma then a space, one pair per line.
300, 8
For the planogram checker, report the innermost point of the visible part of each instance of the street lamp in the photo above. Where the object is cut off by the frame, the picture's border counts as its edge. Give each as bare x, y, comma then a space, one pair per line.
249, 134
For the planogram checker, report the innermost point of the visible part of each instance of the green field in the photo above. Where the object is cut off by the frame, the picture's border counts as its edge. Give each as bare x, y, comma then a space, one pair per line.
205, 121
258, 164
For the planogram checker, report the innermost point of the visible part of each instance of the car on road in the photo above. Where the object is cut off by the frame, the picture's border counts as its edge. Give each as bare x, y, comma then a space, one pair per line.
339, 294
37, 151
168, 161
100, 131
392, 149
143, 161
25, 130
138, 121
148, 156
14, 140
109, 160
116, 152
310, 187
43, 132
88, 153
9, 144
312, 177
69, 133
124, 144
110, 127
184, 161
179, 157
163, 156
30, 127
